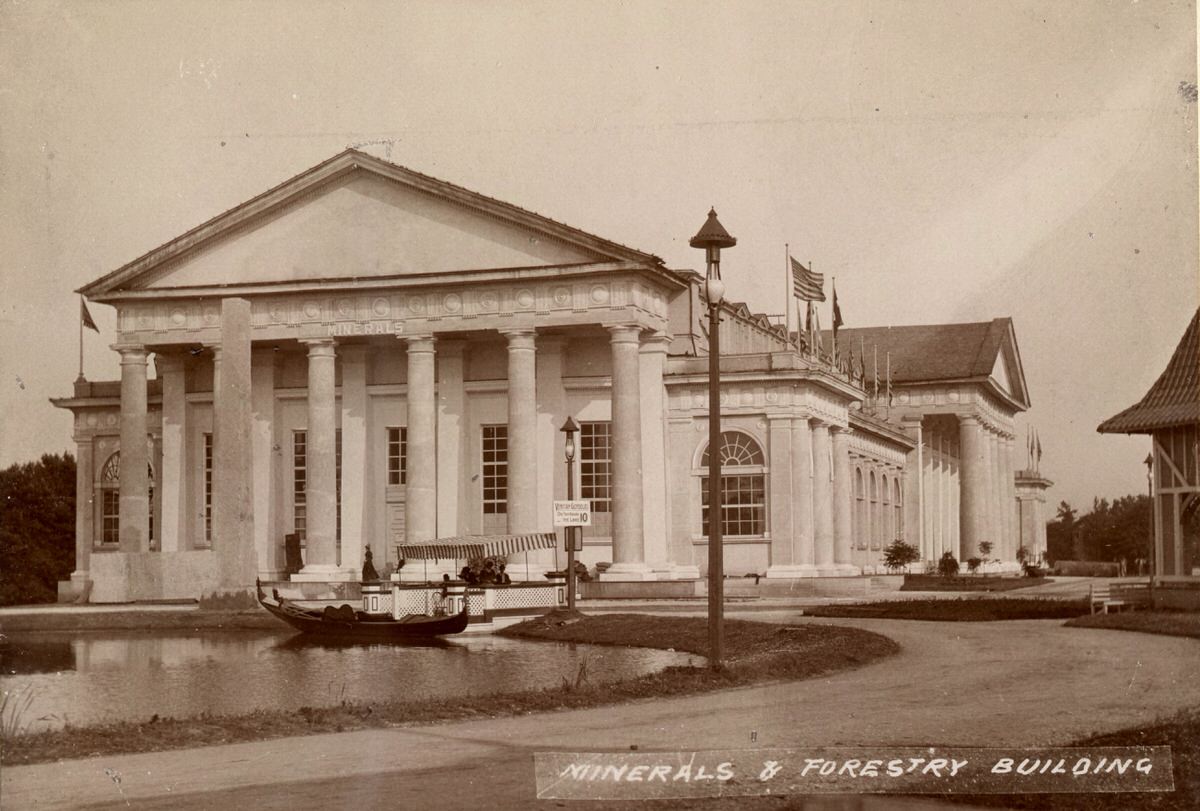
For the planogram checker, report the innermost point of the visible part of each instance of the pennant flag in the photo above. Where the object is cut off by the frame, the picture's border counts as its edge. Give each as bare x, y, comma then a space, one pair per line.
1038, 440
86, 316
806, 284
837, 311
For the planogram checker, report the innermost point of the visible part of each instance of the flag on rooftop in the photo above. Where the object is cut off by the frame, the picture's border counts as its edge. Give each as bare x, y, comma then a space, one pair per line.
85, 316
806, 284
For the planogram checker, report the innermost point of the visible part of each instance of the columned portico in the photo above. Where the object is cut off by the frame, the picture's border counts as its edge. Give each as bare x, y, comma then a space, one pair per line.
421, 489
842, 505
173, 476
134, 485
320, 477
522, 431
823, 509
973, 479
629, 561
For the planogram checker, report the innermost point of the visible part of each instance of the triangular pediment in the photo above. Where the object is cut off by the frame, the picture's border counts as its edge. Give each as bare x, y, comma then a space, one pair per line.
1000, 374
359, 217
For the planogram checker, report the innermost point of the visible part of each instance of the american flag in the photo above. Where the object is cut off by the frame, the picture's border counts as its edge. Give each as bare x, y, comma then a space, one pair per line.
807, 285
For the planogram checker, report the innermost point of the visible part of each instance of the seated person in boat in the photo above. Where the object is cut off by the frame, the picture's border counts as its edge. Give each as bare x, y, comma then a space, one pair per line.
487, 577
502, 578
466, 575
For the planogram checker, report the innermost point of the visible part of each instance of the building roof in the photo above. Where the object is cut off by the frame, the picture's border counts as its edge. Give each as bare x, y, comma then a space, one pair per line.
939, 352
1174, 399
348, 161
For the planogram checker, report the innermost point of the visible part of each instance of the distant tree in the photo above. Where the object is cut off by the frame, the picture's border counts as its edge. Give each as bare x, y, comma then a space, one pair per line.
37, 528
899, 555
1061, 532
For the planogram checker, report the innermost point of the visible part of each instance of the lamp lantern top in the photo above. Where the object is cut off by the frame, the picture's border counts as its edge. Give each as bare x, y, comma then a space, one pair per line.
1149, 461
712, 234
570, 426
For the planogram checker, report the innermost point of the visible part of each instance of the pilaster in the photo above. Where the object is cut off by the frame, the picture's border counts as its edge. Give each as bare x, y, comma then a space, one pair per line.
843, 494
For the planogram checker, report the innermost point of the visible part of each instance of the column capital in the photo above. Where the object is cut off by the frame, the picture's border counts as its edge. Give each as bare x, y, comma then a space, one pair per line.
130, 352
419, 343
520, 339
970, 419
656, 343
841, 430
320, 347
625, 333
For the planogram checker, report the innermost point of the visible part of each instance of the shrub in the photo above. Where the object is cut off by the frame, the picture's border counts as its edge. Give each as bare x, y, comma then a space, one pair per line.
947, 565
985, 551
899, 555
973, 564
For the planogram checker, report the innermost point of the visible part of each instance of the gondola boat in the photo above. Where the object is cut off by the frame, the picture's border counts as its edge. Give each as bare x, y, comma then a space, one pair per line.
347, 623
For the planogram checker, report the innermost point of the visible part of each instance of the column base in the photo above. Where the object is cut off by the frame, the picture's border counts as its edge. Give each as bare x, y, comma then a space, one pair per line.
847, 570
792, 571
323, 573
628, 571
680, 571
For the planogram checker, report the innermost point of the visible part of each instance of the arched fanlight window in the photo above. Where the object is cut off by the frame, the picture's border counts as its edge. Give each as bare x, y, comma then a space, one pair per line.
861, 527
110, 500
743, 487
876, 530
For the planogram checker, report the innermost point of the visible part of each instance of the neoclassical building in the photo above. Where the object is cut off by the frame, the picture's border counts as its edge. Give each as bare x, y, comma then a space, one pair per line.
365, 355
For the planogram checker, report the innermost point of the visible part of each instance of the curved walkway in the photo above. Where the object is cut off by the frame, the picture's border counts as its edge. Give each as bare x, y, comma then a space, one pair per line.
1012, 683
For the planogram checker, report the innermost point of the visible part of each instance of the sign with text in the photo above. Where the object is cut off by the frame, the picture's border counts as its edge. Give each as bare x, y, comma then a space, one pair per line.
853, 770
572, 513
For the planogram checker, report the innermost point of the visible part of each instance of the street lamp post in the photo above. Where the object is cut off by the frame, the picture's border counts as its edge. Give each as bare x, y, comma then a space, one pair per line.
712, 237
569, 428
1151, 544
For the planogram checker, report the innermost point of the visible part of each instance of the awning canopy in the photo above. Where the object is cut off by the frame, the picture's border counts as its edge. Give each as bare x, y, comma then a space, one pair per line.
464, 547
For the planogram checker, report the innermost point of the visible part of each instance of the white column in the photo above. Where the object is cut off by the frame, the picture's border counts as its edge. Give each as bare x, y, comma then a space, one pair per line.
914, 487
320, 480
451, 411
973, 492
629, 561
843, 496
173, 478
268, 542
552, 466
993, 532
84, 511
522, 431
354, 459
134, 494
1009, 496
233, 503
652, 360
823, 509
420, 519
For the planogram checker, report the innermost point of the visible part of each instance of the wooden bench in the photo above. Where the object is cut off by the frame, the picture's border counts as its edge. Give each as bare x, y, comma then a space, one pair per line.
1105, 595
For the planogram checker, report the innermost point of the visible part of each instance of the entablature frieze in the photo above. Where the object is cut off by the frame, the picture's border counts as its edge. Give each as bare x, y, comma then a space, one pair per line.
341, 314
959, 400
758, 396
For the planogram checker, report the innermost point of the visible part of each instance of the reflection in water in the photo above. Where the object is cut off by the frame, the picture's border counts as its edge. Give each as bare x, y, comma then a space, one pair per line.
134, 676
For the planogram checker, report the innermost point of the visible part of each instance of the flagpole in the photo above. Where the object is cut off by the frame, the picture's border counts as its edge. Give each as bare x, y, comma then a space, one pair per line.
888, 413
789, 290
81, 338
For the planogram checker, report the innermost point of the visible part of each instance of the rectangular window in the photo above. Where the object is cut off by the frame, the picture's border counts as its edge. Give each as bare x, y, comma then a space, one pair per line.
743, 505
110, 512
299, 477
208, 487
397, 456
495, 469
595, 465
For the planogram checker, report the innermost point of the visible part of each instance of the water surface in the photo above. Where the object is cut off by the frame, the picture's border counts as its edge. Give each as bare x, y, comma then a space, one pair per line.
85, 678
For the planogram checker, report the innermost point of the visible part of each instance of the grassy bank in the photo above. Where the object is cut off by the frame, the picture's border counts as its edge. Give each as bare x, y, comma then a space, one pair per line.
1170, 623
756, 652
965, 609
983, 582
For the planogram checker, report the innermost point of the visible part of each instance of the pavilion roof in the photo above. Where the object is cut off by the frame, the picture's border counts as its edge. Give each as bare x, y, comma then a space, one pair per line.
1174, 399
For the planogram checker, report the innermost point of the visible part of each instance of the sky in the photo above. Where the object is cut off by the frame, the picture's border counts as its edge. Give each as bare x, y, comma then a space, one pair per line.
945, 161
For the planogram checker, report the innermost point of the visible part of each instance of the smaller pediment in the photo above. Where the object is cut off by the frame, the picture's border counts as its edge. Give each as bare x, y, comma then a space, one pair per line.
359, 217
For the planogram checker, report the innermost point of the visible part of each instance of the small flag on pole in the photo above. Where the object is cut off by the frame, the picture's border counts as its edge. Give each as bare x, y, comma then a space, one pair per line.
806, 284
86, 317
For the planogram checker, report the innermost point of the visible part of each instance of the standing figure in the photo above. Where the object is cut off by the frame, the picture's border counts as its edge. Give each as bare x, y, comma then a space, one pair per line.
368, 572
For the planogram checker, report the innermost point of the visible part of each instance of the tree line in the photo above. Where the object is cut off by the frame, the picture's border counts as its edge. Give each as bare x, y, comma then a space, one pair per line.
1111, 531
37, 528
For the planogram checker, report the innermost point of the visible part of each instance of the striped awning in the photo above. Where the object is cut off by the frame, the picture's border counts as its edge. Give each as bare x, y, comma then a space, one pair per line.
464, 547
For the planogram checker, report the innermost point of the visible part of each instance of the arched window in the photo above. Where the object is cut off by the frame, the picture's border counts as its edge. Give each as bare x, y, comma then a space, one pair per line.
743, 487
861, 527
875, 528
110, 500
886, 491
898, 508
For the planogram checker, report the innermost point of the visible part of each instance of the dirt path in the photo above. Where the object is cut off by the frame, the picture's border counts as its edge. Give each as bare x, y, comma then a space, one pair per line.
1013, 683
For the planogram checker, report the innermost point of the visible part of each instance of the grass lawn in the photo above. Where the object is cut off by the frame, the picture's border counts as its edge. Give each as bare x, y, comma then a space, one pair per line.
755, 652
965, 609
983, 582
1170, 623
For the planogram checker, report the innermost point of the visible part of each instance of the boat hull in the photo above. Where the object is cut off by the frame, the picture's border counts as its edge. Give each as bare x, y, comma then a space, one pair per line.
346, 623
